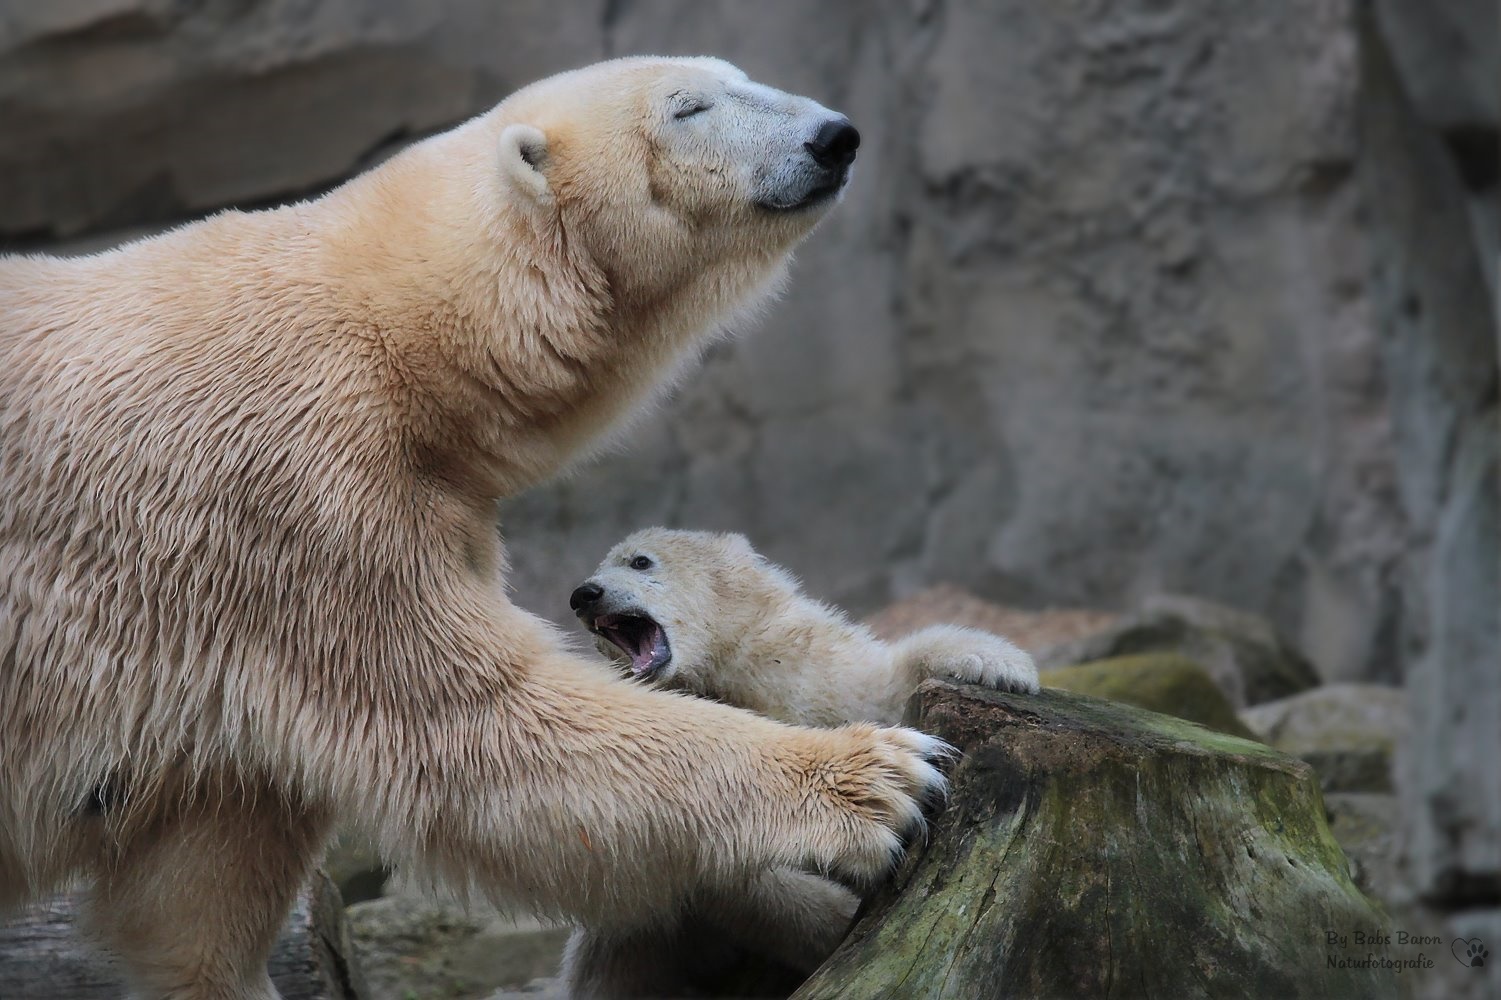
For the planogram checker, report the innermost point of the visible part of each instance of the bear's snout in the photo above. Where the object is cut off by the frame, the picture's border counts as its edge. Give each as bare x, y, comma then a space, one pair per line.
833, 147
585, 596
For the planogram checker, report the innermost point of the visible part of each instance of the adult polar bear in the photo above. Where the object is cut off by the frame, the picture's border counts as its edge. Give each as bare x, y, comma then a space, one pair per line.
249, 577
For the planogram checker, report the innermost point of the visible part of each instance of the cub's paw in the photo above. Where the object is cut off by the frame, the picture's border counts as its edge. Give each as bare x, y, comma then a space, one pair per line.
971, 655
874, 784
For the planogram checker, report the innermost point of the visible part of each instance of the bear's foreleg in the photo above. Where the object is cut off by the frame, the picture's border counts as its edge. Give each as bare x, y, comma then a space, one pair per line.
547, 778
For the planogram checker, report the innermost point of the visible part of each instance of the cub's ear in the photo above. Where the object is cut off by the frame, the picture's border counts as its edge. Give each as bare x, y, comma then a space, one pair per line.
739, 543
523, 155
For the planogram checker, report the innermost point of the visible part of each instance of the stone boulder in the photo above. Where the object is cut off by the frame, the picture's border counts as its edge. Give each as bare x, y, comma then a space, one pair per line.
1439, 336
1365, 824
1242, 652
122, 112
357, 868
1158, 682
409, 946
1350, 733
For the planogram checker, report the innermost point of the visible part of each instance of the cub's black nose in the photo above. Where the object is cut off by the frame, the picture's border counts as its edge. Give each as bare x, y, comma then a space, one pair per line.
835, 144
585, 595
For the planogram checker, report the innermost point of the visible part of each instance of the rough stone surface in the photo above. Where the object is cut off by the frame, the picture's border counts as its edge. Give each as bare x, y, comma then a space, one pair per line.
1159, 682
1441, 345
1348, 732
1449, 780
409, 946
1365, 824
118, 112
1472, 983
546, 988
1242, 652
356, 868
1449, 55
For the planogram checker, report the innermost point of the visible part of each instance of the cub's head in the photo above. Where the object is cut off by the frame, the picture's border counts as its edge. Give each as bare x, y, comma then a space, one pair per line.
674, 173
671, 606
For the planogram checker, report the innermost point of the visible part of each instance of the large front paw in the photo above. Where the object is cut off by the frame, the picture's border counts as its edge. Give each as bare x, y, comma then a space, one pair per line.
868, 787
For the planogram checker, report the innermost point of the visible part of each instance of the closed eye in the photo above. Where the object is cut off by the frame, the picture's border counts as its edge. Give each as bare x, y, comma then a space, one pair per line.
688, 111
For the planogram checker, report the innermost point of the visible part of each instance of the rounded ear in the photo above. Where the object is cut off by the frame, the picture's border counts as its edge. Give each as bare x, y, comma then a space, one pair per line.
739, 543
523, 153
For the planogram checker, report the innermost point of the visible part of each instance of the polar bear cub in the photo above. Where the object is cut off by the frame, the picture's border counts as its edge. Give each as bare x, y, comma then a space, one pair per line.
707, 614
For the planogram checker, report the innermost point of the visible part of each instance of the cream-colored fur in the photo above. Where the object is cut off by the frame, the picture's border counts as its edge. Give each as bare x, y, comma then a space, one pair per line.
250, 583
741, 631
738, 629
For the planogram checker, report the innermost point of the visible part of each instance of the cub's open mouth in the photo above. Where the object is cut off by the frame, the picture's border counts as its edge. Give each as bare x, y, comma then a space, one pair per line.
638, 637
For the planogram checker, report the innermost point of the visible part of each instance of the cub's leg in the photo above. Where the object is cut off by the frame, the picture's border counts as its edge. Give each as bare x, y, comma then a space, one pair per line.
966, 654
193, 901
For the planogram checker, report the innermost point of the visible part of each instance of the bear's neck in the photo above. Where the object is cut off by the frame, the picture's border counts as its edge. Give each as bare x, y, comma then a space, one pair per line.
506, 365
499, 364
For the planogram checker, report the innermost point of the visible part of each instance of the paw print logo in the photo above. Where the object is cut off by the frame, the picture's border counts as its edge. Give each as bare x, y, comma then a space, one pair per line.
1471, 952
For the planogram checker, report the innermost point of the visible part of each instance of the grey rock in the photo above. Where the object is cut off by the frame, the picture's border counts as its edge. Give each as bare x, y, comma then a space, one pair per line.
1365, 824
1348, 732
1449, 55
1440, 346
1241, 652
1449, 979
1449, 780
546, 988
356, 867
116, 112
410, 946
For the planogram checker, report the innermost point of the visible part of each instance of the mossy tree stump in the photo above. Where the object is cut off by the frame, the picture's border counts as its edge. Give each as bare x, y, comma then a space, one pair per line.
1092, 849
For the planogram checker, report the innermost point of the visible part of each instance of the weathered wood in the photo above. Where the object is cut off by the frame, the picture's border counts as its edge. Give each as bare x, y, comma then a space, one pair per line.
1092, 849
44, 956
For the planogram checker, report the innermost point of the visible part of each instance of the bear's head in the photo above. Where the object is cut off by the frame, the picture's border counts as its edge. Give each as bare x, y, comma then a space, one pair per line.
683, 181
673, 606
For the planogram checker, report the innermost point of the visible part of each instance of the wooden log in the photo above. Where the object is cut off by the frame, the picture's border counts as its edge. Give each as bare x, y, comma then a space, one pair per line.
1092, 849
44, 956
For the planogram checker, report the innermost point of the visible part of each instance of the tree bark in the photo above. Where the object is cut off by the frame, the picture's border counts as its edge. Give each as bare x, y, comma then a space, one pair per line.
1093, 849
43, 955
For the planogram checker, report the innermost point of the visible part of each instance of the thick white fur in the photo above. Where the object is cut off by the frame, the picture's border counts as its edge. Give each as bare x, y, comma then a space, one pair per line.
250, 583
742, 632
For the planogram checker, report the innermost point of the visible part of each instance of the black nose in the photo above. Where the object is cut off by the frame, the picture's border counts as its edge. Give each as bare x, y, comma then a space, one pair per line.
835, 144
585, 595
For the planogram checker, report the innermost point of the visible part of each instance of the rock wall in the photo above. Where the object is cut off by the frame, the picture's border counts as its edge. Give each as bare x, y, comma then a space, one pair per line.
1095, 321
1439, 336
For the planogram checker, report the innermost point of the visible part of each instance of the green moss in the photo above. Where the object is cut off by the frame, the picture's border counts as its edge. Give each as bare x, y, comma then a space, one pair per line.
1160, 682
